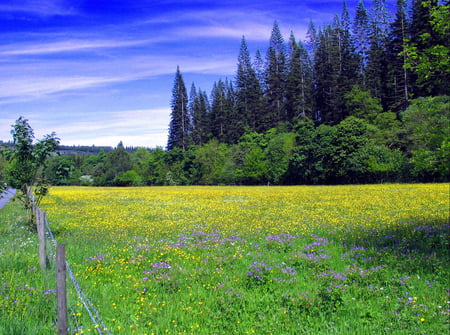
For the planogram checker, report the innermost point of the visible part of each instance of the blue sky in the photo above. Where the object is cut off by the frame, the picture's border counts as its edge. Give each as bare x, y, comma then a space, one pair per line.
101, 71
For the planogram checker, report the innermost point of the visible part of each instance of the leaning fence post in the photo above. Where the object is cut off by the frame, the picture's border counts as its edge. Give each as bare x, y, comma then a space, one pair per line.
61, 288
40, 223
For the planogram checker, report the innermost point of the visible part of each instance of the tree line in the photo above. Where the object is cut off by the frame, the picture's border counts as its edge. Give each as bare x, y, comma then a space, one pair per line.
361, 100
413, 149
363, 67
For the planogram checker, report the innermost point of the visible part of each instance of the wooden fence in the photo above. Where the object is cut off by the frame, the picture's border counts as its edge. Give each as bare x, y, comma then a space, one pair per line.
62, 269
44, 262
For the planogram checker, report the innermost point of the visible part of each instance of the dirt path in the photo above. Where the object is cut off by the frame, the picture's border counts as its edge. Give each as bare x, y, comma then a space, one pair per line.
8, 194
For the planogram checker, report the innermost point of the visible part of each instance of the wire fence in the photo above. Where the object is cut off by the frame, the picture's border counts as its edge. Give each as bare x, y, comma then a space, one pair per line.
49, 246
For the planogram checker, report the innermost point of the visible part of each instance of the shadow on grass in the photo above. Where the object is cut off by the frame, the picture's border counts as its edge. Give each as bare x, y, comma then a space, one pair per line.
414, 246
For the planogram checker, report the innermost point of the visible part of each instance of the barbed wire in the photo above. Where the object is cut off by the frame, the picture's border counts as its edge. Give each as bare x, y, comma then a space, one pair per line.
88, 305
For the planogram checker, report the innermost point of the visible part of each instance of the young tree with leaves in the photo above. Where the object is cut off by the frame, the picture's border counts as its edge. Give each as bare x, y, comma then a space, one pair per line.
27, 161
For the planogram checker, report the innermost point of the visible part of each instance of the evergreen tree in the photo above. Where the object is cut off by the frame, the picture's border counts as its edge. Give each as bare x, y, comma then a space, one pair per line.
191, 110
361, 32
345, 17
179, 118
275, 79
258, 65
336, 71
199, 116
312, 39
225, 125
248, 90
398, 81
379, 17
299, 82
325, 79
376, 69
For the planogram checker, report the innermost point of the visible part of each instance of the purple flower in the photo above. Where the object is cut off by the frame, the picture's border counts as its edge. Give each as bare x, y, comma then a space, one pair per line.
161, 265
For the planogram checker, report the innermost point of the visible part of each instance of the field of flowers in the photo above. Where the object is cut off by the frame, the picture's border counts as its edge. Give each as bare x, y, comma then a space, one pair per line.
258, 260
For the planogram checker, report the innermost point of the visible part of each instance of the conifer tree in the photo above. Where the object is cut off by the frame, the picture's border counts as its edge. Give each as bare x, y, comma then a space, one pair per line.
336, 71
312, 40
376, 69
258, 65
299, 82
361, 33
199, 116
179, 117
275, 79
248, 90
225, 125
398, 81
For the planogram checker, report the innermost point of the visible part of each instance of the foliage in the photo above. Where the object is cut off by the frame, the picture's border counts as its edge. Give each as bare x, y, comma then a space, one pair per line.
426, 122
428, 51
27, 162
362, 105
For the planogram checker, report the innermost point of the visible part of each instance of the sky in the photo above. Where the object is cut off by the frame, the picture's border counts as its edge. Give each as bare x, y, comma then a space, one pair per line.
98, 72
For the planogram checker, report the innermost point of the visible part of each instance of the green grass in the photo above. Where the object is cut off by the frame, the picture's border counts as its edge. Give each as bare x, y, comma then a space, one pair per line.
27, 302
149, 270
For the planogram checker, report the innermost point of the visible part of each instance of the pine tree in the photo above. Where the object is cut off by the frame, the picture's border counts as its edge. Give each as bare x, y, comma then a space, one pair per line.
248, 90
312, 40
345, 17
326, 77
299, 82
179, 118
361, 32
225, 125
376, 69
199, 112
398, 80
258, 65
336, 71
275, 79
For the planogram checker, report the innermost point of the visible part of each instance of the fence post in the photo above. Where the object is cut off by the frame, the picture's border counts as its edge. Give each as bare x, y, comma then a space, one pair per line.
40, 223
61, 288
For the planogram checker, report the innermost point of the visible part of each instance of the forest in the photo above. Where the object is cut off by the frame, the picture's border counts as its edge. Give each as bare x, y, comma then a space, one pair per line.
364, 99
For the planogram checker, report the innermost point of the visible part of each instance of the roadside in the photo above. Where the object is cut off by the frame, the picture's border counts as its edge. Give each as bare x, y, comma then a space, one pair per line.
5, 196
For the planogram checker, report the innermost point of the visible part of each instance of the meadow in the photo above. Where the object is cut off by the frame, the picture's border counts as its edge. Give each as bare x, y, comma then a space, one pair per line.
368, 259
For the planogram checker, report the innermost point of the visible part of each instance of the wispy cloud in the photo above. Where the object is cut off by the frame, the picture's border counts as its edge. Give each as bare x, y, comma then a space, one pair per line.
31, 78
38, 7
70, 45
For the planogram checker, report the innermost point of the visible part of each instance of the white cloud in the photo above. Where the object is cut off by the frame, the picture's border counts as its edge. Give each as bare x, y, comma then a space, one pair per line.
146, 127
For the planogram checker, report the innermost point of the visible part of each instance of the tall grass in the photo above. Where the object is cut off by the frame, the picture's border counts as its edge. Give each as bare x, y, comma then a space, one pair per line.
27, 295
